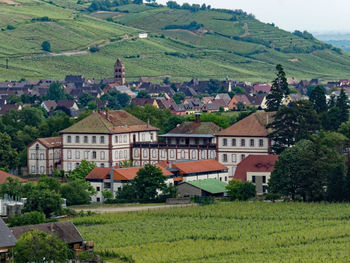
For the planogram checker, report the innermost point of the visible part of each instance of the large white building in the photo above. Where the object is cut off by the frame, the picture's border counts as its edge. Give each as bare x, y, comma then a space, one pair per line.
246, 137
104, 138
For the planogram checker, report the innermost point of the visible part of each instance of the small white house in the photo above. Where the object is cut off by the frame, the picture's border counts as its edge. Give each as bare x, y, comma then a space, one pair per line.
143, 35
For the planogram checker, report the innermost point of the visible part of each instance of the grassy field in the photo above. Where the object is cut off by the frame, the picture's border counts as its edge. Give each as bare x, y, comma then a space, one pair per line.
224, 232
242, 49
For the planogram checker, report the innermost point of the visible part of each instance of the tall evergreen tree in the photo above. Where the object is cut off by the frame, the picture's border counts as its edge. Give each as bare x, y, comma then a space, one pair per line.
342, 104
278, 91
318, 98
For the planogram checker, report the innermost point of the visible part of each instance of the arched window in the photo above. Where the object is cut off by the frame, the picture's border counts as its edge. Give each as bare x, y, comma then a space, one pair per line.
77, 139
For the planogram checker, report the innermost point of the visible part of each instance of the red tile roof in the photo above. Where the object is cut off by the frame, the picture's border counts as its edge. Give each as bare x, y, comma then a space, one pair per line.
98, 173
199, 166
4, 175
255, 163
253, 125
127, 174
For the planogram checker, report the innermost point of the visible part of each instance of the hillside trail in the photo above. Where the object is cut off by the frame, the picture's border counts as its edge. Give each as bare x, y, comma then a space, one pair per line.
246, 29
76, 52
132, 208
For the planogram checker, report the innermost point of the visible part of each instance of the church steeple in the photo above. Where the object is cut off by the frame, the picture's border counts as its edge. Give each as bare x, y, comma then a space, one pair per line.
119, 72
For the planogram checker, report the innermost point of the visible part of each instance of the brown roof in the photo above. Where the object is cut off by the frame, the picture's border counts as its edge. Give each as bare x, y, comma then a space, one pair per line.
50, 104
4, 175
255, 163
127, 174
109, 122
199, 166
196, 128
51, 142
66, 103
66, 231
98, 173
253, 125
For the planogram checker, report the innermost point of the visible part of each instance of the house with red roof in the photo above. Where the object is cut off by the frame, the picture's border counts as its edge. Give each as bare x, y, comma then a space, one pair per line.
176, 173
248, 136
256, 169
4, 175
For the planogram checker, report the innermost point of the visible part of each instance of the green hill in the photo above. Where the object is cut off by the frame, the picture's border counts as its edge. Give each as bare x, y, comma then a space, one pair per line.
181, 44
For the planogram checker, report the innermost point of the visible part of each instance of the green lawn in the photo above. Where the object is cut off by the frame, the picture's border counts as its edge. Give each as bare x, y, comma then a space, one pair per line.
224, 232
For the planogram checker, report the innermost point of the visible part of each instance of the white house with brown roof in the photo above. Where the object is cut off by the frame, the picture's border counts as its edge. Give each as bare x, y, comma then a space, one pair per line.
247, 136
44, 155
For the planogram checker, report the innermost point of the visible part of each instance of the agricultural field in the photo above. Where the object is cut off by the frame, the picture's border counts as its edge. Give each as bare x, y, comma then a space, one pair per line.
237, 46
224, 232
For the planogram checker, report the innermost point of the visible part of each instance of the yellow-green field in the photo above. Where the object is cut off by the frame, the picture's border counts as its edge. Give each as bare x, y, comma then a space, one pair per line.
224, 232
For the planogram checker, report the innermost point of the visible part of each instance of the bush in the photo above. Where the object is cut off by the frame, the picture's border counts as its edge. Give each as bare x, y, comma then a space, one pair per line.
10, 27
240, 190
75, 193
30, 218
94, 49
46, 46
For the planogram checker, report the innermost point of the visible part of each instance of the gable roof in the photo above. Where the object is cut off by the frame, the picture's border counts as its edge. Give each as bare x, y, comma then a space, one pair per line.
50, 104
7, 239
4, 175
66, 103
199, 166
253, 125
127, 174
255, 163
66, 231
98, 173
107, 122
51, 142
212, 186
195, 128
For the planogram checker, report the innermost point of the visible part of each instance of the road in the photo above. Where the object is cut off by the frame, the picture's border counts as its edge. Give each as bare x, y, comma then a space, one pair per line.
131, 208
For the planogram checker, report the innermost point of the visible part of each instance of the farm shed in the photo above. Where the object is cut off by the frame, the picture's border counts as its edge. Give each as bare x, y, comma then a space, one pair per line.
207, 187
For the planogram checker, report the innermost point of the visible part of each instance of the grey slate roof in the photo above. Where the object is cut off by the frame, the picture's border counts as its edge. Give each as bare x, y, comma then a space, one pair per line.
7, 239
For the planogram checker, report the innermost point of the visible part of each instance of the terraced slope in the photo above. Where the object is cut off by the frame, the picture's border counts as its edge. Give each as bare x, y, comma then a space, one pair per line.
182, 44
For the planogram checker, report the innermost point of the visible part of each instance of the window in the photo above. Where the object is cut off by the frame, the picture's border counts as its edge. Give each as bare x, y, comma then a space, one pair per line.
86, 139
151, 136
163, 153
69, 139
182, 154
234, 158
154, 153
251, 142
253, 179
32, 156
264, 179
76, 165
242, 157
33, 169
145, 153
77, 139
224, 142
136, 153
42, 169
93, 155
125, 154
172, 154
116, 139
102, 155
69, 166
264, 189
125, 138
102, 139
121, 155
97, 188
261, 143
102, 165
225, 178
233, 142
194, 155
41, 156
203, 155
69, 154
77, 155
224, 158
98, 199
143, 137
212, 155
242, 142
93, 139
86, 155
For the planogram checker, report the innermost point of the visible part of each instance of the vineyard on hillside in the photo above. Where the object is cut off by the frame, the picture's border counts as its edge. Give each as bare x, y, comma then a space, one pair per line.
224, 232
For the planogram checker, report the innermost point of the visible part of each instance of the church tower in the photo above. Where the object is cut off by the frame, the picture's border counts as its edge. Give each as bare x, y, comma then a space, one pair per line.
119, 72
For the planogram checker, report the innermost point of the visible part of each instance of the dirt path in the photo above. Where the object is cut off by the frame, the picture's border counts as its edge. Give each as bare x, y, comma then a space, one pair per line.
246, 29
131, 208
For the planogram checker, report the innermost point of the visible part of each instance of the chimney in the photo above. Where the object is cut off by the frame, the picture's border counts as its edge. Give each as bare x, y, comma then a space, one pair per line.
198, 117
